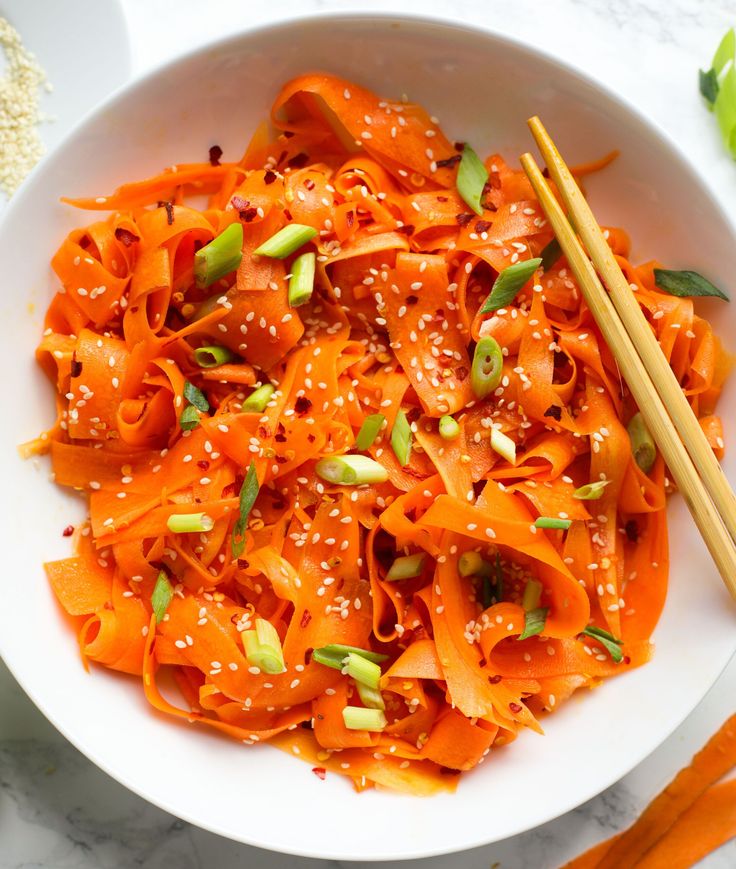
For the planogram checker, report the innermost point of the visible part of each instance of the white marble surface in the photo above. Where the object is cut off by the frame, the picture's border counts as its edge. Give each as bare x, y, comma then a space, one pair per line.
57, 811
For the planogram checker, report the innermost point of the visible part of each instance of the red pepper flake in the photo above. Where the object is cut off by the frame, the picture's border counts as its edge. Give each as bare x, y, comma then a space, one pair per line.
311, 438
515, 708
406, 229
494, 680
305, 619
299, 161
76, 367
309, 184
203, 464
169, 211
269, 177
302, 405
482, 225
449, 162
626, 659
126, 236
442, 199
215, 154
461, 372
464, 218
349, 218
555, 411
279, 438
412, 300
68, 531
239, 203
320, 772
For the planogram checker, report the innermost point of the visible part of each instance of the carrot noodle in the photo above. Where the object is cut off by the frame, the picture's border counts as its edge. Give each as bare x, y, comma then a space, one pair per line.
692, 816
402, 270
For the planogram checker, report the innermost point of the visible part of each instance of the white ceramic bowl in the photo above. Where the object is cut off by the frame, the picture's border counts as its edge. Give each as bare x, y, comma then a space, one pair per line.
482, 87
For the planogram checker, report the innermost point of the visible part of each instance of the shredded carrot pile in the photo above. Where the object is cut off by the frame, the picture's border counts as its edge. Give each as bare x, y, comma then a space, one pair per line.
403, 267
694, 815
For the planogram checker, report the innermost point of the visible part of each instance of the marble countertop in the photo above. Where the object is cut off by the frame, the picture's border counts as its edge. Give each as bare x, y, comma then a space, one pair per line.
58, 811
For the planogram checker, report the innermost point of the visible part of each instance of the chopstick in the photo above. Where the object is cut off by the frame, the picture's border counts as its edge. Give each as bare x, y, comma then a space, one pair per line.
642, 386
636, 325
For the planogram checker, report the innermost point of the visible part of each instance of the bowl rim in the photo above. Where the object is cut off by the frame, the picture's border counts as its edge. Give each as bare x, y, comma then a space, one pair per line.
408, 18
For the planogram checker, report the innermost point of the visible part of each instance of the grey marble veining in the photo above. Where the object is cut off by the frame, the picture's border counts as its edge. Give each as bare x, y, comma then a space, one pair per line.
57, 810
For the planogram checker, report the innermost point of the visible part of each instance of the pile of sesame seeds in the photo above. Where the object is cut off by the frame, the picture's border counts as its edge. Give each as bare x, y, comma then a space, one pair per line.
20, 87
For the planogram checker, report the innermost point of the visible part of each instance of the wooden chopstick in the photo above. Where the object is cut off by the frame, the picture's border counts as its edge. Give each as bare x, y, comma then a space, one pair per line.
704, 512
641, 333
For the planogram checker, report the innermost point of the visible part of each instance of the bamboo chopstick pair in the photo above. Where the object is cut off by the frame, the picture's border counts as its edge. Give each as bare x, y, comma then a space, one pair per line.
644, 367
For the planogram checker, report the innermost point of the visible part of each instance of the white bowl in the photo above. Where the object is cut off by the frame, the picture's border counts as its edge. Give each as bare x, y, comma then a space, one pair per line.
483, 87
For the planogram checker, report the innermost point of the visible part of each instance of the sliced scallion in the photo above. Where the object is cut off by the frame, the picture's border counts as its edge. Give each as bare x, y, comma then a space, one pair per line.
471, 563
359, 718
642, 443
188, 523
286, 241
370, 697
532, 595
248, 495
220, 257
161, 596
350, 470
591, 491
503, 445
685, 284
212, 355
471, 179
369, 431
449, 428
363, 670
258, 399
301, 282
196, 397
608, 641
552, 522
406, 567
534, 622
263, 647
335, 655
401, 438
189, 418
486, 368
508, 283
550, 254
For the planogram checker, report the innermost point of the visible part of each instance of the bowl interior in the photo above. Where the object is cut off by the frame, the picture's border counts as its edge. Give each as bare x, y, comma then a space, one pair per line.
482, 87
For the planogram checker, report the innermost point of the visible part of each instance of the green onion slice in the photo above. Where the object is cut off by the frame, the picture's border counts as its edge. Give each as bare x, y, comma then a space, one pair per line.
350, 470
401, 438
534, 622
286, 241
258, 399
471, 179
363, 670
725, 108
508, 283
220, 257
189, 418
486, 368
161, 596
552, 522
608, 641
503, 445
532, 595
449, 428
195, 396
497, 590
709, 87
370, 697
212, 355
406, 567
726, 51
550, 254
684, 284
335, 655
471, 563
642, 444
359, 718
248, 495
591, 491
188, 523
369, 431
263, 647
301, 282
